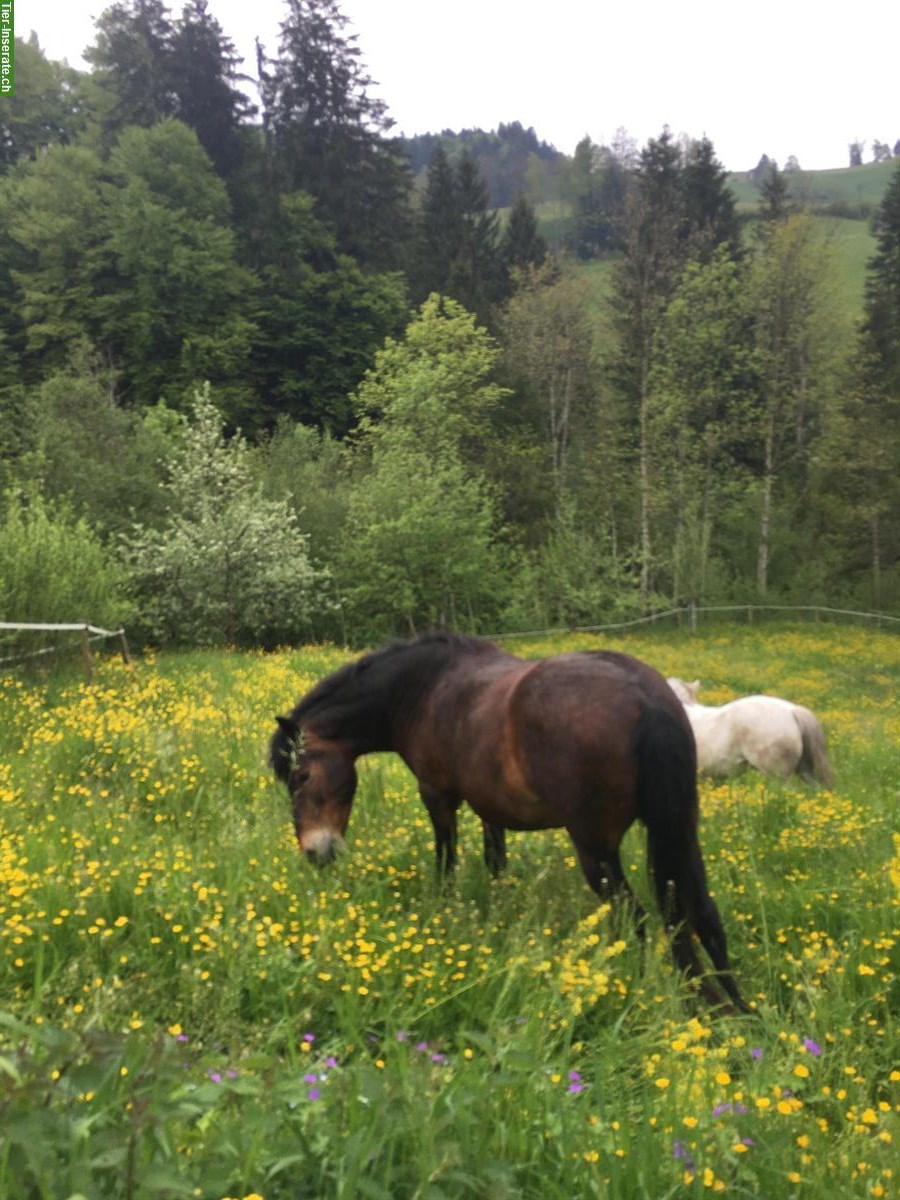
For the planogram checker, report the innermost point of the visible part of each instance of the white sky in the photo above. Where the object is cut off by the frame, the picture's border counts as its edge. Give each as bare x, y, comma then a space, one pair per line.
779, 77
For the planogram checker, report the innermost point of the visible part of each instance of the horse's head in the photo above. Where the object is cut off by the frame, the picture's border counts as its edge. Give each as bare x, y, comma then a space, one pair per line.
686, 692
321, 779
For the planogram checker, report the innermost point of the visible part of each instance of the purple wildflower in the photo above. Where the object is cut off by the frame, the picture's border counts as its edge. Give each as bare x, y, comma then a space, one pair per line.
314, 1094
421, 1047
721, 1108
310, 1078
231, 1073
813, 1047
439, 1058
756, 1053
214, 1076
331, 1061
575, 1087
182, 1037
309, 1037
680, 1150
402, 1035
748, 1141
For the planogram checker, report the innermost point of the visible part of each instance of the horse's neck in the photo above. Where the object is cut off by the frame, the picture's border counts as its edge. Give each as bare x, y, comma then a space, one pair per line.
379, 717
701, 714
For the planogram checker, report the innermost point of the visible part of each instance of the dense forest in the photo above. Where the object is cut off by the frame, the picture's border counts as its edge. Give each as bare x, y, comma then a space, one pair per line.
272, 373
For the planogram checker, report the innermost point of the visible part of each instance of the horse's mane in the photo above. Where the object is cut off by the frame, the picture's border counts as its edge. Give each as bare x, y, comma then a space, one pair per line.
362, 699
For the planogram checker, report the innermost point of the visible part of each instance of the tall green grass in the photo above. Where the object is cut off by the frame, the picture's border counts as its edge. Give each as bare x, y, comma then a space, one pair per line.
193, 1010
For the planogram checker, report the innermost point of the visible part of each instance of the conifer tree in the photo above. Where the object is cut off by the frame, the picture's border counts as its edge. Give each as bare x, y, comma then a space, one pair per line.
476, 278
330, 135
439, 229
709, 202
869, 457
457, 245
881, 324
133, 65
522, 245
205, 74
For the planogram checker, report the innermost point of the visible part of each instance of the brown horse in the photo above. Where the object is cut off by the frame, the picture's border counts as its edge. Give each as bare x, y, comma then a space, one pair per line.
587, 741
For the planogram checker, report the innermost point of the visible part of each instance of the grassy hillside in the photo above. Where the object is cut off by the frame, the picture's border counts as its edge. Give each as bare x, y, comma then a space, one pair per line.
193, 1010
853, 247
853, 186
856, 188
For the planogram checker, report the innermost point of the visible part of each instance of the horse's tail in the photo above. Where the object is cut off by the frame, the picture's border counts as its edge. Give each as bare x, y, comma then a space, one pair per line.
668, 805
814, 755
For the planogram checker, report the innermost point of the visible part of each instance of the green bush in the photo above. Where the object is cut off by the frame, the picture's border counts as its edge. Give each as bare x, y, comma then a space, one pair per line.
421, 548
226, 565
573, 578
53, 566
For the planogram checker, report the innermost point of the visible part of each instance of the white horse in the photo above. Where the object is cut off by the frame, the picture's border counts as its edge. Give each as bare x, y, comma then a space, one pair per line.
768, 733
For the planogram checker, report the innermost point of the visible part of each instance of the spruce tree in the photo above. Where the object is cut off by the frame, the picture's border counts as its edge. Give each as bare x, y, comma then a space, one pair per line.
709, 202
476, 277
438, 231
522, 245
205, 80
881, 324
330, 136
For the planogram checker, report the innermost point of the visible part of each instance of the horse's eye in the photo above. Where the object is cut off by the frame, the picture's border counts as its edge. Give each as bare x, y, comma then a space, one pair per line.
301, 775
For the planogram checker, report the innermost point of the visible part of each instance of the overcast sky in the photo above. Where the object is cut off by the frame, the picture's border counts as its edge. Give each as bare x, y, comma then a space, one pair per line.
779, 77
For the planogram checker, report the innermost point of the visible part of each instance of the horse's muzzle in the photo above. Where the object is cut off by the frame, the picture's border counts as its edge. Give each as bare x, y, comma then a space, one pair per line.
321, 848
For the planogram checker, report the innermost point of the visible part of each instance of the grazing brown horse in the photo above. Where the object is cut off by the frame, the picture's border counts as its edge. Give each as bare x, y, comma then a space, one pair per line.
586, 741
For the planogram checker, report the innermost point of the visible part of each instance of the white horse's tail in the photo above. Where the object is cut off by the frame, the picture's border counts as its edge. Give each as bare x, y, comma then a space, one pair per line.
814, 757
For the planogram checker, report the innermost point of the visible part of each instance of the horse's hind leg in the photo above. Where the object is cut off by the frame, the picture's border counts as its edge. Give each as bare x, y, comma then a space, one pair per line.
494, 847
442, 810
602, 868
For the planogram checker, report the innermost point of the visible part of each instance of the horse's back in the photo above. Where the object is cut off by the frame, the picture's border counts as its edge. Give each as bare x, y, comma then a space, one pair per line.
589, 697
576, 719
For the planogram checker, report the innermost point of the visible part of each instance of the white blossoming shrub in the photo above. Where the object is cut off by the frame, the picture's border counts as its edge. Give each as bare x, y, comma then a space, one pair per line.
227, 565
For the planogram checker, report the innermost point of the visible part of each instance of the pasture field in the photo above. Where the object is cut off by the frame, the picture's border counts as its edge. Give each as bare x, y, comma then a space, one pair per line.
190, 1009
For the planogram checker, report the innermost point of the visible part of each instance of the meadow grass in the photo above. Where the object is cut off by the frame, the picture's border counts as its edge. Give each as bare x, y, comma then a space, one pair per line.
190, 1009
864, 185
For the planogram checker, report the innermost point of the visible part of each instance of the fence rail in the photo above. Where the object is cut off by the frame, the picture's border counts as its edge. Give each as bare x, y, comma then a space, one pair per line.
89, 633
690, 612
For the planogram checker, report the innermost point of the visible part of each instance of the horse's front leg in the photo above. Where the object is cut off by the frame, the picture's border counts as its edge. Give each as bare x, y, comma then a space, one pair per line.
442, 808
494, 847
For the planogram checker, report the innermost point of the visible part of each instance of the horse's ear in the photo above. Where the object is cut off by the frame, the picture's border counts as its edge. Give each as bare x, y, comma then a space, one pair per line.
288, 728
694, 688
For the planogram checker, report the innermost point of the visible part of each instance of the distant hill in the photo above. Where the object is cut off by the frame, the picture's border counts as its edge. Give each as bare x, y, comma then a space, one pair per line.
842, 192
502, 156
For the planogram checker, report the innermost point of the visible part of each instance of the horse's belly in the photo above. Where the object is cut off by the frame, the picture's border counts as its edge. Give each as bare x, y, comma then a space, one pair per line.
515, 810
718, 762
716, 754
501, 795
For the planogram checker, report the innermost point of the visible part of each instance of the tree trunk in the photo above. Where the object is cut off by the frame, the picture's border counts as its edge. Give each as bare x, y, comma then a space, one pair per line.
765, 509
876, 558
645, 506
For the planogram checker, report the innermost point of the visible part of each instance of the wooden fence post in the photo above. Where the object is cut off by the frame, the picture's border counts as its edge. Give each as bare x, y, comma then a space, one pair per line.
126, 656
86, 654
